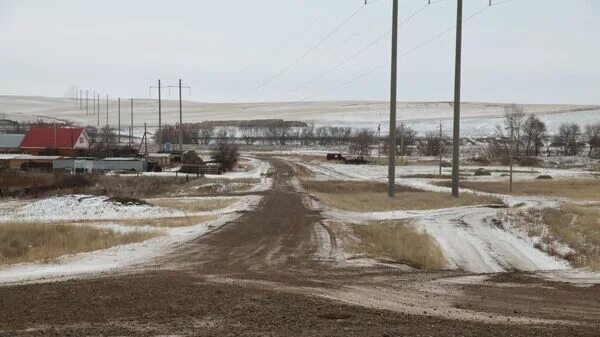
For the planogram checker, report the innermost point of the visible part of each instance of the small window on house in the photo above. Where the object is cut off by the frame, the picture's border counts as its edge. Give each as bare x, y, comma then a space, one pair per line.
80, 140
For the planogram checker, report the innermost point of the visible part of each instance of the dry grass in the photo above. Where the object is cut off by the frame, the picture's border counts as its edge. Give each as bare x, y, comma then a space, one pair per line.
578, 226
372, 197
400, 242
45, 242
575, 189
206, 187
193, 206
169, 222
427, 176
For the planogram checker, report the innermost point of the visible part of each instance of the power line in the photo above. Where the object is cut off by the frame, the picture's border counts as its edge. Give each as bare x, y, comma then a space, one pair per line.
372, 70
310, 50
353, 56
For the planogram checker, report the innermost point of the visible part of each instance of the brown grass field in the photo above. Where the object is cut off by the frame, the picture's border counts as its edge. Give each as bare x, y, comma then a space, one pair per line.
575, 189
400, 242
168, 222
579, 227
372, 197
193, 205
20, 242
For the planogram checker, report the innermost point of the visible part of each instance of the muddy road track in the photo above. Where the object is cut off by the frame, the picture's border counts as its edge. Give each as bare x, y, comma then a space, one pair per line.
260, 276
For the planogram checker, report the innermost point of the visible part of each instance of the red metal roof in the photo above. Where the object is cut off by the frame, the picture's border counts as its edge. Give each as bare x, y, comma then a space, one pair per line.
51, 137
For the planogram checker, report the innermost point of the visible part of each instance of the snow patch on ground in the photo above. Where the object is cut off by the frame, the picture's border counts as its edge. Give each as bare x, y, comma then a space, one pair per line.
83, 207
121, 257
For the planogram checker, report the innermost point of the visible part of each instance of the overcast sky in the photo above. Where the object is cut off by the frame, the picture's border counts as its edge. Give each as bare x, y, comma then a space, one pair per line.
527, 51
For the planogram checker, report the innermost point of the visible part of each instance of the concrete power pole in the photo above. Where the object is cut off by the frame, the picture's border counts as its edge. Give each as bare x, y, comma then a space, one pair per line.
87, 101
393, 96
107, 112
457, 86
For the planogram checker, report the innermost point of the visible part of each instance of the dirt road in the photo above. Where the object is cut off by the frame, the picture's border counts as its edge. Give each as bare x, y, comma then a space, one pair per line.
258, 276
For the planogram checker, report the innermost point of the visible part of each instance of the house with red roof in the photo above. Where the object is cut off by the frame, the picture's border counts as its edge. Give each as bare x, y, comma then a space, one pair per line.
57, 141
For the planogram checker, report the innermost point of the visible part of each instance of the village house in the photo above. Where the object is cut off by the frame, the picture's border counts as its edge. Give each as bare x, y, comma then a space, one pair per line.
58, 141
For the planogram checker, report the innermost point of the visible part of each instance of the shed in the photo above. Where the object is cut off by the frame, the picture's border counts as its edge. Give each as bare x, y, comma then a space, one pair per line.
10, 143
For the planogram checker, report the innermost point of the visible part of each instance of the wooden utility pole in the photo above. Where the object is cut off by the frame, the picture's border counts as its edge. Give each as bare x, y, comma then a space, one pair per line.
180, 121
440, 146
131, 127
401, 143
159, 119
87, 101
457, 86
393, 98
98, 111
107, 112
119, 121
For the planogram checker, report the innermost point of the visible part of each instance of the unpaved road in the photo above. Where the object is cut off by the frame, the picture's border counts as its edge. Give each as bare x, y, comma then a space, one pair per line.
258, 276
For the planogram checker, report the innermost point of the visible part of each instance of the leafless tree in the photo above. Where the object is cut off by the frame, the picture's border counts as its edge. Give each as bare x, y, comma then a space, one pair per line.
514, 117
205, 134
361, 142
592, 135
278, 132
249, 134
226, 153
533, 134
432, 145
568, 138
170, 134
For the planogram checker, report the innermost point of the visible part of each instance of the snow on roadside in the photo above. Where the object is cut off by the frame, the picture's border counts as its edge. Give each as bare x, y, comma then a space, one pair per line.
121, 257
467, 240
83, 207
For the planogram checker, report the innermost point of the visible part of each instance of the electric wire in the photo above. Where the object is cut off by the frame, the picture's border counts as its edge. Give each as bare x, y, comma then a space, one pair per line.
356, 54
372, 70
309, 51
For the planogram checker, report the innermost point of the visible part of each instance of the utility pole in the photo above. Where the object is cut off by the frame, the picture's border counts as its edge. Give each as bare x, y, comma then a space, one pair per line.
145, 141
119, 121
159, 120
511, 154
80, 99
393, 96
457, 86
98, 111
440, 146
180, 121
379, 141
107, 112
402, 143
94, 102
131, 127
87, 101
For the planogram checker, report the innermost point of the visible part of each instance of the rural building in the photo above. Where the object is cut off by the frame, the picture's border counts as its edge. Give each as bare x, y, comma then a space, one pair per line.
10, 143
56, 141
162, 159
26, 162
89, 165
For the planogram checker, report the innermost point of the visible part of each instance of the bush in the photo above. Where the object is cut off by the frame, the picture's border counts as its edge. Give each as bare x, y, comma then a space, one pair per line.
482, 172
544, 176
227, 154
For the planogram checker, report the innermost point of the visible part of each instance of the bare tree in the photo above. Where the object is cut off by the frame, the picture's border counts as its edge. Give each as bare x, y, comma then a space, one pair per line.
533, 134
568, 138
205, 134
432, 145
170, 134
226, 153
278, 132
592, 135
361, 142
514, 117
249, 134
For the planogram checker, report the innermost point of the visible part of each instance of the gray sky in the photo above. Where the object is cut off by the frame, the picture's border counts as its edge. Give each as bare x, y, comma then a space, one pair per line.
527, 51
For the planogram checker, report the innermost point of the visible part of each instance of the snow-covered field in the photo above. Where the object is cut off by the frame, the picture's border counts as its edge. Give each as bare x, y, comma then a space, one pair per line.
479, 119
468, 240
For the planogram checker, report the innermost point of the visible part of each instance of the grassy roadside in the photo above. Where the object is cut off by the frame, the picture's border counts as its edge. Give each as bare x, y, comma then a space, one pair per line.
401, 242
577, 226
372, 197
575, 189
44, 242
193, 205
